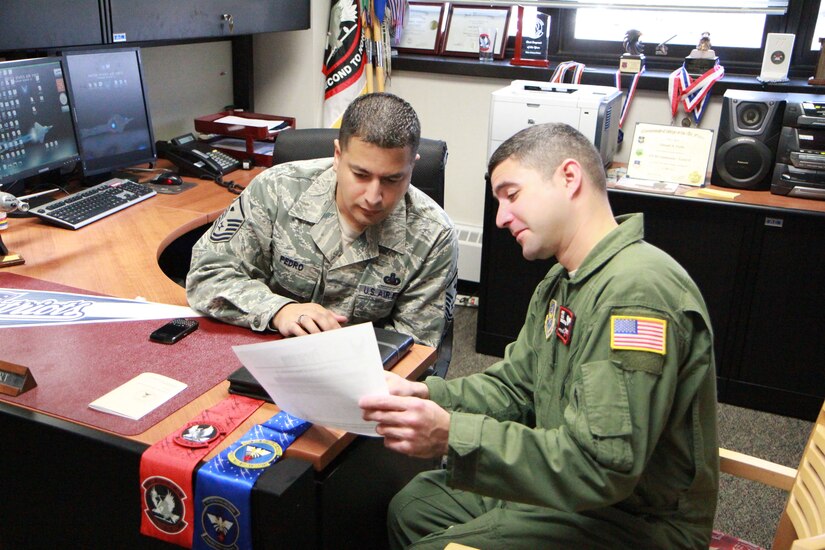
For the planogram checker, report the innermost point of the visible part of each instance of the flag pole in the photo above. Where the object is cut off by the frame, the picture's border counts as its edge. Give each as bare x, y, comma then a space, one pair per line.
368, 43
378, 40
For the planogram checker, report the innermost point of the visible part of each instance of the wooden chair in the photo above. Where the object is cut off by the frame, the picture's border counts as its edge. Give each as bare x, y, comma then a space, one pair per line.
802, 524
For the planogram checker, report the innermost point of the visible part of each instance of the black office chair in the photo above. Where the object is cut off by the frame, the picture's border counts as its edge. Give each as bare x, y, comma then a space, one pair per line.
313, 143
428, 176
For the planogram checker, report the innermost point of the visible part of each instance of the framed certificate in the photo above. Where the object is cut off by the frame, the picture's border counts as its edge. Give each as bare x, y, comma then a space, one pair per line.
422, 31
671, 154
464, 23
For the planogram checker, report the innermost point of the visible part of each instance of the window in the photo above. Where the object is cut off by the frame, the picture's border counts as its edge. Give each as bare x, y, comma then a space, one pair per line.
675, 27
594, 35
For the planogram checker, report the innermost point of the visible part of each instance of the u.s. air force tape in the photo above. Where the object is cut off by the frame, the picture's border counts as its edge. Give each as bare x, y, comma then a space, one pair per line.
166, 469
224, 484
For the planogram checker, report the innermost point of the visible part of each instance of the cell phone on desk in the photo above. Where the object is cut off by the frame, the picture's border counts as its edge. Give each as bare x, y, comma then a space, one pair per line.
195, 158
173, 331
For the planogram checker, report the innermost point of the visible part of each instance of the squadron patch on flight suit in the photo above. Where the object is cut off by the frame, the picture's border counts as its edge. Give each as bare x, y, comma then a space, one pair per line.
565, 329
229, 223
550, 319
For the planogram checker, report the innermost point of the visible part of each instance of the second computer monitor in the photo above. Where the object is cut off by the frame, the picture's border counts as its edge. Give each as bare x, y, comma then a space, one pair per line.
111, 112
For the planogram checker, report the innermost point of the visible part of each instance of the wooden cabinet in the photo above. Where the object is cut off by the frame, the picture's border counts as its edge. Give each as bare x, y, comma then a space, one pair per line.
54, 24
760, 270
144, 20
33, 24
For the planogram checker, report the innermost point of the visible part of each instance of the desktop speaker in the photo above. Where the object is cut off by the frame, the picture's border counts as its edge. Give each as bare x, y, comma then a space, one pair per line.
746, 142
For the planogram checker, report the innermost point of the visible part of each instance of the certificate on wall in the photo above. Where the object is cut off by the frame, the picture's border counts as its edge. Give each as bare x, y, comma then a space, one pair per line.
422, 29
463, 24
669, 154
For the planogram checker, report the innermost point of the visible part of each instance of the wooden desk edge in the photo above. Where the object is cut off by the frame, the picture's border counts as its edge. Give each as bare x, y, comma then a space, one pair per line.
319, 445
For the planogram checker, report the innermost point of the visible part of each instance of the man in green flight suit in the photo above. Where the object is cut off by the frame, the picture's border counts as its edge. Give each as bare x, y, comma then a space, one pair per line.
598, 428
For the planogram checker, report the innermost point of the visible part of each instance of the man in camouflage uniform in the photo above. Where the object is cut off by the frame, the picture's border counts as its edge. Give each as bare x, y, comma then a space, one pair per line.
598, 428
311, 245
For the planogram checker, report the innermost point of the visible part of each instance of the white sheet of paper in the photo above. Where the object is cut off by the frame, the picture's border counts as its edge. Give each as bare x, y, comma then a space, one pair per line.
320, 377
257, 122
139, 396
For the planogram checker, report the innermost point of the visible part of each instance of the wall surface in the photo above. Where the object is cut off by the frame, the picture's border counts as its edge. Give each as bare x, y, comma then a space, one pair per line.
184, 82
191, 80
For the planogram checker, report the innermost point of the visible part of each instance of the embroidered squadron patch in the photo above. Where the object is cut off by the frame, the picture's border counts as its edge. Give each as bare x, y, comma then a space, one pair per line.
550, 319
219, 521
164, 504
229, 223
638, 333
255, 453
197, 434
565, 329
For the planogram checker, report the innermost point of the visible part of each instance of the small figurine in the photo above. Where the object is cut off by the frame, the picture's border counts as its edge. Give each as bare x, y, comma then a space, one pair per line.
703, 49
632, 43
704, 42
702, 58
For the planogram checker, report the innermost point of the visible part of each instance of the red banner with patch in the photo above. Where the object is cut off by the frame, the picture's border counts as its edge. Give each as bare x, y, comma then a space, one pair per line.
166, 495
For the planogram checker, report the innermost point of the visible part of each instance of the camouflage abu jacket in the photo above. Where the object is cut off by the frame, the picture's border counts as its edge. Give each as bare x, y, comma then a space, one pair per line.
280, 242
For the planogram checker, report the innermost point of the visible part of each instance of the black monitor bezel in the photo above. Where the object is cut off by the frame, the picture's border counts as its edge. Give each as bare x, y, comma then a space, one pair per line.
125, 160
14, 183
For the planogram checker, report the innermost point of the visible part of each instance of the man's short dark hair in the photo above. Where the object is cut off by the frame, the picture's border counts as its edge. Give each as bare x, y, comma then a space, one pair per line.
544, 146
381, 119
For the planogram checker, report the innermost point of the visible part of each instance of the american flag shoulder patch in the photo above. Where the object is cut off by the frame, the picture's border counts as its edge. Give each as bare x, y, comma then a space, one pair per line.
630, 332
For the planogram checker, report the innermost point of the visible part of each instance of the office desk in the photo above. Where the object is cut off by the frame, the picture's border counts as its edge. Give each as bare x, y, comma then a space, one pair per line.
78, 485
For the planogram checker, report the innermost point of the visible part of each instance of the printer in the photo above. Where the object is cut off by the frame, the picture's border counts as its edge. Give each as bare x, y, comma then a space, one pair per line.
593, 110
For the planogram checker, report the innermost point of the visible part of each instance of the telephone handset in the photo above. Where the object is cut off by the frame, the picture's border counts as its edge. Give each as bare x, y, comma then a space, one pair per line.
195, 158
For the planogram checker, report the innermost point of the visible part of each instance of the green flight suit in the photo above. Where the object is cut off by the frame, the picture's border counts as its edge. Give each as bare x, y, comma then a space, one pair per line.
280, 242
592, 443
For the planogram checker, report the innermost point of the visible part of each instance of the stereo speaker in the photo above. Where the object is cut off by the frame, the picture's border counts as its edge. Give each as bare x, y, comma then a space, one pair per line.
746, 142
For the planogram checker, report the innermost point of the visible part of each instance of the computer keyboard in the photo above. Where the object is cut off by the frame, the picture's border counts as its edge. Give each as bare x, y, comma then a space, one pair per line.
94, 203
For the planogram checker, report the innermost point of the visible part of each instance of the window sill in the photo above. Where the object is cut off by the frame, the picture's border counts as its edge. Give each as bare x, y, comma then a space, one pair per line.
656, 80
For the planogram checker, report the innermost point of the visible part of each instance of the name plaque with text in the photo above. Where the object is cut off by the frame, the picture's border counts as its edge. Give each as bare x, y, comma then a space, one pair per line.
15, 379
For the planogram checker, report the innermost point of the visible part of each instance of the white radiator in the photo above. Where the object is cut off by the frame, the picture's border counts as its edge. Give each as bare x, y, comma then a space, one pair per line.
469, 252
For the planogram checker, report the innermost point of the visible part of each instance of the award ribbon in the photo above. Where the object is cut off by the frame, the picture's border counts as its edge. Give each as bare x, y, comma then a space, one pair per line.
166, 469
693, 94
630, 93
561, 72
224, 484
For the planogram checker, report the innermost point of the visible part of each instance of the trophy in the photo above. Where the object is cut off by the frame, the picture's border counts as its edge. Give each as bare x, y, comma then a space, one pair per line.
633, 60
702, 58
819, 77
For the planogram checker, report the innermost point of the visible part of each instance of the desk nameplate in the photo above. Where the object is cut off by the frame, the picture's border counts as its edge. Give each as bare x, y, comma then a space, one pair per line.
15, 379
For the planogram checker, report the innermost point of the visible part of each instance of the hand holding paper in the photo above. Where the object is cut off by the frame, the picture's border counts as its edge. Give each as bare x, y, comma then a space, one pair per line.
321, 377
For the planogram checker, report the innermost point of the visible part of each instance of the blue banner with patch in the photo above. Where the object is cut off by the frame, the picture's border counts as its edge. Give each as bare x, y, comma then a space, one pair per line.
223, 488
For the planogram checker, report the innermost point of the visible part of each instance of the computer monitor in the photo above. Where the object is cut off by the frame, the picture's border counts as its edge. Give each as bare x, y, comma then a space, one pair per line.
36, 130
107, 91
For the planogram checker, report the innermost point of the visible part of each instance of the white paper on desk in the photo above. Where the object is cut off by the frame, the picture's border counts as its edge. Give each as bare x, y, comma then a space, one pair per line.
256, 122
139, 396
320, 377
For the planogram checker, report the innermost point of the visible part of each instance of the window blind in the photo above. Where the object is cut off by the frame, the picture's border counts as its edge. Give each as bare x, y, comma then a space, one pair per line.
770, 7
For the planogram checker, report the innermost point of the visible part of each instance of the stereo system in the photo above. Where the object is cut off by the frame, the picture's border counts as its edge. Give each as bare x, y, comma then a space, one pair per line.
771, 141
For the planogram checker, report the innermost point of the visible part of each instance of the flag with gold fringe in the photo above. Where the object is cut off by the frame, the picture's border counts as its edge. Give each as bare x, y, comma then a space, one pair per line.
358, 52
344, 61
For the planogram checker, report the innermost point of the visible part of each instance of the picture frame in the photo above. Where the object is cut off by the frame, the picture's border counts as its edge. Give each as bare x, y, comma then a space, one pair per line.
463, 22
422, 31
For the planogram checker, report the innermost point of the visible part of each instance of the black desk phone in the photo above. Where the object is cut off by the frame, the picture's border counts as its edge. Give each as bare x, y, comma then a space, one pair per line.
195, 158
